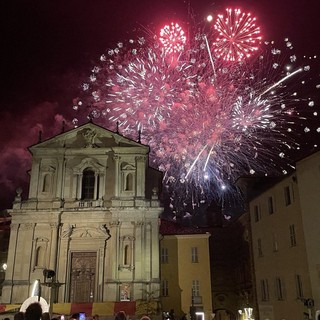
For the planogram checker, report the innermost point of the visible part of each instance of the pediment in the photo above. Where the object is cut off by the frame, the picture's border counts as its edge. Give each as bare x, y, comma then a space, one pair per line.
73, 232
89, 232
88, 136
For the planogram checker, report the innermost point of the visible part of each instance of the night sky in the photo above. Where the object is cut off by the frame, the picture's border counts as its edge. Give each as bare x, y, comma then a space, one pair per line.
47, 47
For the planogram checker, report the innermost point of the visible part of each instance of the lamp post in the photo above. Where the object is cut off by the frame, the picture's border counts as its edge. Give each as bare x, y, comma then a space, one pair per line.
50, 281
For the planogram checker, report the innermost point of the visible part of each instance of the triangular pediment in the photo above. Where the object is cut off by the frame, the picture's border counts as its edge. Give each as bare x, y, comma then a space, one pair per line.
88, 136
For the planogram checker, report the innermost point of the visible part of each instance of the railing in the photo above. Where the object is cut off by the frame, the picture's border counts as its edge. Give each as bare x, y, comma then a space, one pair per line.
196, 299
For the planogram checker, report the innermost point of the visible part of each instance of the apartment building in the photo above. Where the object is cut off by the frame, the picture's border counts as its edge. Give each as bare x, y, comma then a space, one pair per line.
285, 217
185, 270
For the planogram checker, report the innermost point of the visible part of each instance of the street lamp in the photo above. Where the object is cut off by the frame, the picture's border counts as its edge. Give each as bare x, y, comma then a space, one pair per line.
50, 281
49, 274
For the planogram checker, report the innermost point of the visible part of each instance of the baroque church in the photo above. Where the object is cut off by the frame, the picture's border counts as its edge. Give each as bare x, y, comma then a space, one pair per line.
91, 216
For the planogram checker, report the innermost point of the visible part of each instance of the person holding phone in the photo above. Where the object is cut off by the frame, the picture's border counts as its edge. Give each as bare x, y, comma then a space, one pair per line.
82, 316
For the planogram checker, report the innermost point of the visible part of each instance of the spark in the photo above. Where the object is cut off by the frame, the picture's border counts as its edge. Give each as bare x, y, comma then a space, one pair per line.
238, 35
282, 80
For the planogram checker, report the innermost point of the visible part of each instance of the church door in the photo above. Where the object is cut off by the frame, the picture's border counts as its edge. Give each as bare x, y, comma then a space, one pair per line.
83, 270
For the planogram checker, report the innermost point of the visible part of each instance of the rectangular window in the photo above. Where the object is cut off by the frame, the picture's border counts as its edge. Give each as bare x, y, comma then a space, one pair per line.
88, 184
264, 290
279, 289
164, 255
275, 242
164, 288
270, 205
287, 195
194, 255
299, 286
260, 248
256, 213
195, 288
293, 240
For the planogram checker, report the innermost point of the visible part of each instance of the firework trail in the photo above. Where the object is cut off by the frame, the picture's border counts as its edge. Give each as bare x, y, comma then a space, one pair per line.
206, 124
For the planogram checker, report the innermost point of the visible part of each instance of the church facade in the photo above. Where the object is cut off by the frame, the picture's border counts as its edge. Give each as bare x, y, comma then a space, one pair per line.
91, 216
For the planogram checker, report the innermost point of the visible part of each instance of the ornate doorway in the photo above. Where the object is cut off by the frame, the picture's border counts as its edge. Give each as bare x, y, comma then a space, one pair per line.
83, 270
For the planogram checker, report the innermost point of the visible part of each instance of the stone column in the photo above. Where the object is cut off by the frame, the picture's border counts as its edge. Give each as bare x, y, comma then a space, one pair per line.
63, 262
59, 179
101, 272
79, 186
139, 253
101, 185
153, 230
8, 283
74, 186
24, 251
95, 191
115, 231
53, 247
141, 176
117, 176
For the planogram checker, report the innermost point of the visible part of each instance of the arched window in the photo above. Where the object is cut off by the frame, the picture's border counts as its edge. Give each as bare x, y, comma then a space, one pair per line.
129, 182
88, 180
46, 183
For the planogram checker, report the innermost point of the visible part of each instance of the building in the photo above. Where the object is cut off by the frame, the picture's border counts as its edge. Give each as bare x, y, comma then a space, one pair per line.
91, 217
185, 270
5, 221
285, 216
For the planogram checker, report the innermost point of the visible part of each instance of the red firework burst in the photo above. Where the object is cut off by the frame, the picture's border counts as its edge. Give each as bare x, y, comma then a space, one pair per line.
238, 35
172, 38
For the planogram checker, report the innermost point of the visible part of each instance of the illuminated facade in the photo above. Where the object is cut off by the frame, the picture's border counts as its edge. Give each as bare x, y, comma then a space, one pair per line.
185, 270
91, 216
286, 244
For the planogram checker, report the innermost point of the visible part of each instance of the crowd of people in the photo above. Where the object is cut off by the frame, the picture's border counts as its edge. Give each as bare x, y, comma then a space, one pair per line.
34, 312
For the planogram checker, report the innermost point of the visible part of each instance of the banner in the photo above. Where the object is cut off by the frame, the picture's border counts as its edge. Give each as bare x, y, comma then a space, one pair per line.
108, 308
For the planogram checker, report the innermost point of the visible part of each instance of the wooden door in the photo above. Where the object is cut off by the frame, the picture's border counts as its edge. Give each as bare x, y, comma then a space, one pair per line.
83, 270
